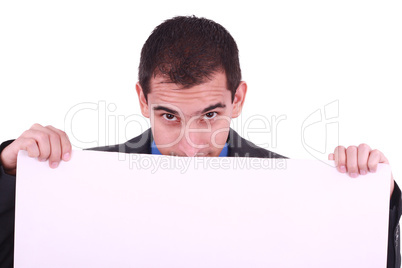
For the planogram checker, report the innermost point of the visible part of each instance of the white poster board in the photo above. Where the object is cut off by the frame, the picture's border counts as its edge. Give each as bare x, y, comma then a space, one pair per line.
116, 210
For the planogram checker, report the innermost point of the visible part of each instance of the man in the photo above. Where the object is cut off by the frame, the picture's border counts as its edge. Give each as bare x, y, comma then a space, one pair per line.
190, 88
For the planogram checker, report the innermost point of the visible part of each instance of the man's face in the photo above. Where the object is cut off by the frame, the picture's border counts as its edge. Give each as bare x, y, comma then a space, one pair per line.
193, 121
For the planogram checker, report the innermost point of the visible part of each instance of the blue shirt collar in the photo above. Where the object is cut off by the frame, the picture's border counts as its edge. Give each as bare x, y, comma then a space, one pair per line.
224, 152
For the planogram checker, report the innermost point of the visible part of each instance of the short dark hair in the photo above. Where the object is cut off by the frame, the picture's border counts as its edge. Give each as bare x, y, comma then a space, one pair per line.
189, 50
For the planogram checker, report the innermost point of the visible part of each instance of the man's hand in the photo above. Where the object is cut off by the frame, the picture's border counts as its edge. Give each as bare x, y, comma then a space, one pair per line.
42, 142
359, 160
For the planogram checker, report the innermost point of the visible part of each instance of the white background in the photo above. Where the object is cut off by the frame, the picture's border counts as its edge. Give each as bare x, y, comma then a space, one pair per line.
297, 57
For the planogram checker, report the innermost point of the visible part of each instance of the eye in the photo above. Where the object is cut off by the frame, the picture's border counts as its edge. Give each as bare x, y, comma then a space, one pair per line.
170, 117
210, 115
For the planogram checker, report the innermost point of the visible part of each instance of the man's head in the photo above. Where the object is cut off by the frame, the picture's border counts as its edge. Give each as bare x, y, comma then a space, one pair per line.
190, 85
188, 50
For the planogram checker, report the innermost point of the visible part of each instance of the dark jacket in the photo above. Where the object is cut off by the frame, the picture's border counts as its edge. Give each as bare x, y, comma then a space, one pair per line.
238, 147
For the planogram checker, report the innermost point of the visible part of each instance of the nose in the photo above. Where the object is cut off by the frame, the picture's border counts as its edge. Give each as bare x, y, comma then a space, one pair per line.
193, 143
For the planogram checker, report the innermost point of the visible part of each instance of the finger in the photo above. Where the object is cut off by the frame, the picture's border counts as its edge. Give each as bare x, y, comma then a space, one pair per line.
55, 149
340, 158
363, 152
376, 157
65, 143
331, 157
30, 146
51, 148
351, 161
55, 143
42, 139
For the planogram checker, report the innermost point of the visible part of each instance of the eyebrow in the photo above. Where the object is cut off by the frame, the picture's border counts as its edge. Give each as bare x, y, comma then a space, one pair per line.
213, 106
163, 108
171, 111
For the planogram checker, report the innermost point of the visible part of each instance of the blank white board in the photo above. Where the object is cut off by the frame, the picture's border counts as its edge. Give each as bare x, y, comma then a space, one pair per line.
119, 210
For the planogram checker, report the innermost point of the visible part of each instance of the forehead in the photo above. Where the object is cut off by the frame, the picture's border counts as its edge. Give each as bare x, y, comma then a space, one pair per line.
164, 91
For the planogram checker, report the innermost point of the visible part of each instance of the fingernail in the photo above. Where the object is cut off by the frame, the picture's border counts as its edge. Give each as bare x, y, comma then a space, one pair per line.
42, 159
363, 172
343, 169
353, 175
66, 156
54, 164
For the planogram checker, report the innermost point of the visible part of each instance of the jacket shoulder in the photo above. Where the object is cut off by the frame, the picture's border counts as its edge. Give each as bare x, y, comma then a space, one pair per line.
240, 147
138, 145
